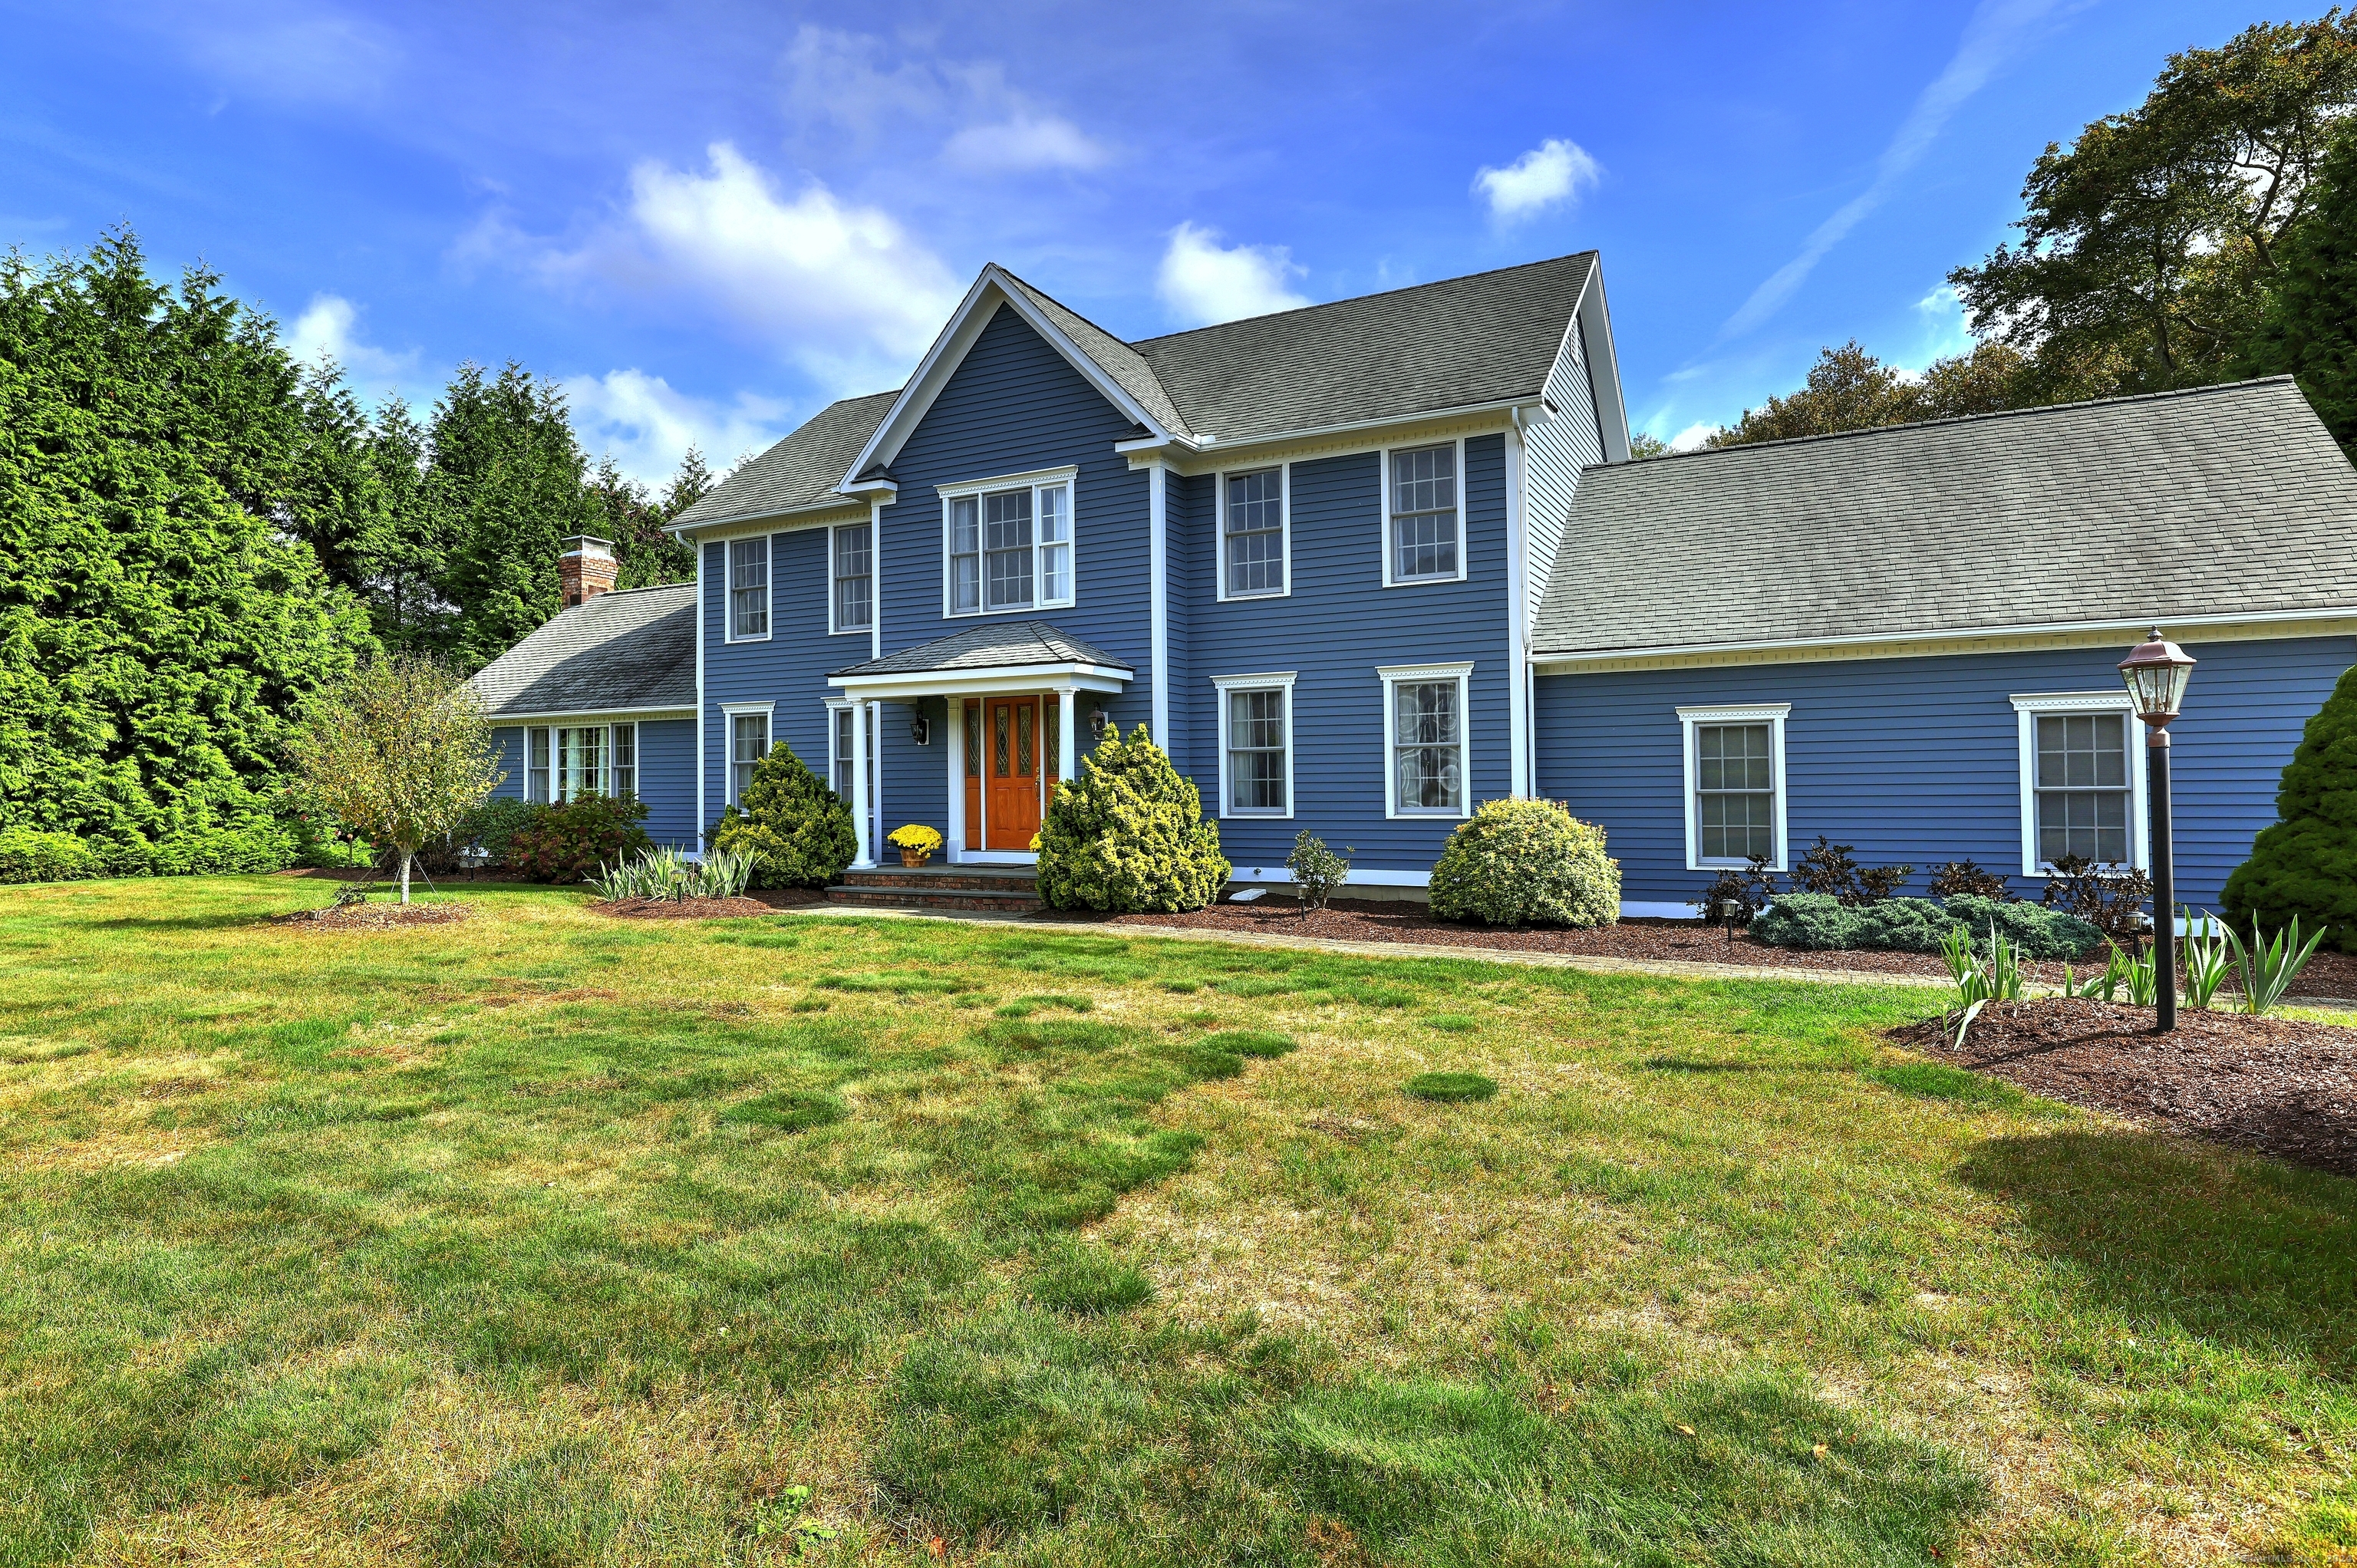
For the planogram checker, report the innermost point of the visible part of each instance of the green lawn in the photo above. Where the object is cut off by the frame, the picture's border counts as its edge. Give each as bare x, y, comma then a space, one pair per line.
548, 1239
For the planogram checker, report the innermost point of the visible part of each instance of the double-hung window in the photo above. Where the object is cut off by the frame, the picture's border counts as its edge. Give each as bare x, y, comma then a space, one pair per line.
536, 766
748, 742
2081, 782
1252, 533
622, 768
1255, 744
1422, 544
748, 589
1009, 543
1425, 729
1734, 784
853, 548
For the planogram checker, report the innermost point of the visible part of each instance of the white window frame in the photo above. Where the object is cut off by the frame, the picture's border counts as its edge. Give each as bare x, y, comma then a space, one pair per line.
1273, 680
540, 780
768, 587
613, 737
1383, 508
834, 627
1395, 676
2027, 708
1772, 715
1068, 480
1284, 530
730, 712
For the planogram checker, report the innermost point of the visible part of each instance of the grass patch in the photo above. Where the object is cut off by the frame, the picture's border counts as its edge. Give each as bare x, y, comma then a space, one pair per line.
1024, 1006
1264, 1043
1077, 1277
1452, 1023
789, 1111
1450, 1087
1937, 1080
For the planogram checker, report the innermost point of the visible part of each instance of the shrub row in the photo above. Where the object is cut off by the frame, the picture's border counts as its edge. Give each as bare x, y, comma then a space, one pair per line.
1819, 921
28, 855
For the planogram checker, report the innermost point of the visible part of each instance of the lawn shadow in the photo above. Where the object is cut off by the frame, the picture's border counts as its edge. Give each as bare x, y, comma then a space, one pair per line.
2228, 1246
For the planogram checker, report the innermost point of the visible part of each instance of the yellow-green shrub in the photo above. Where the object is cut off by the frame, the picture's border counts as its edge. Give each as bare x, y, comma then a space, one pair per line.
1519, 863
1128, 835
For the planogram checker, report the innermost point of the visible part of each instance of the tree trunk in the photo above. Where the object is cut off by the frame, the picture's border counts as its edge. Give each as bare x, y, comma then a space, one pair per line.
404, 875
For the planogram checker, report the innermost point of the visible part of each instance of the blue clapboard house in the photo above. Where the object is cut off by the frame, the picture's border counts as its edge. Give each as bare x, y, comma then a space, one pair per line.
1362, 566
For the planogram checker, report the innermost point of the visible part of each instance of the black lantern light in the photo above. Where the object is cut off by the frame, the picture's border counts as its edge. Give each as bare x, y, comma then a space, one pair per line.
920, 728
2156, 675
1097, 724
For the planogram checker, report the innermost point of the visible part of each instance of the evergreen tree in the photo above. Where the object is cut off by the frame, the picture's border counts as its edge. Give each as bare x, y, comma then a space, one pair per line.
798, 831
161, 617
1128, 835
2310, 325
635, 522
2305, 865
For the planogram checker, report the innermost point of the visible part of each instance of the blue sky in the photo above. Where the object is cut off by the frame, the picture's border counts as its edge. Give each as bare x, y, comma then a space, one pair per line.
707, 219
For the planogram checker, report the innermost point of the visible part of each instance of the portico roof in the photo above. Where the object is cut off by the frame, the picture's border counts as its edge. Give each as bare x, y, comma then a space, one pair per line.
1002, 655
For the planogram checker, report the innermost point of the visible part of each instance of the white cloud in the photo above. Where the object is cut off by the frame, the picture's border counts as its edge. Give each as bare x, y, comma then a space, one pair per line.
1553, 171
1997, 28
1024, 143
841, 287
647, 426
870, 88
1690, 438
1203, 281
325, 331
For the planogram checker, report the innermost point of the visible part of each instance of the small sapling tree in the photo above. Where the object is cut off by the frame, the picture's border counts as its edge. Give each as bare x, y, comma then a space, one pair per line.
399, 751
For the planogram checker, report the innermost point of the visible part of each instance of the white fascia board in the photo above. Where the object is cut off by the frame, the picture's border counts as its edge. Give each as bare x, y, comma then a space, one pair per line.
585, 715
1921, 643
949, 350
1611, 408
909, 686
1229, 455
786, 519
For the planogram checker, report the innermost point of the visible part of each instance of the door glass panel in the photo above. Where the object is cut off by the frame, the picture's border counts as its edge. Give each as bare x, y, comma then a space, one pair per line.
998, 723
1023, 768
974, 740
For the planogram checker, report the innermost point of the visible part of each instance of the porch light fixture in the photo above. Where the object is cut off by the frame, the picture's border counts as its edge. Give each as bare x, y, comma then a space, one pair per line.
920, 729
2155, 674
1097, 724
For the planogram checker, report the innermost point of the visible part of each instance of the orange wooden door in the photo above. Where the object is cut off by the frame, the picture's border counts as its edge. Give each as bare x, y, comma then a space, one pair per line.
1011, 771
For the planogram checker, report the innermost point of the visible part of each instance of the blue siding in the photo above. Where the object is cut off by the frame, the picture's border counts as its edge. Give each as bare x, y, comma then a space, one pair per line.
666, 776
1918, 759
506, 741
1338, 625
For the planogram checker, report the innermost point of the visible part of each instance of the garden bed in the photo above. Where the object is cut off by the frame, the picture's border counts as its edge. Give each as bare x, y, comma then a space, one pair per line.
2284, 1086
373, 916
2328, 975
680, 909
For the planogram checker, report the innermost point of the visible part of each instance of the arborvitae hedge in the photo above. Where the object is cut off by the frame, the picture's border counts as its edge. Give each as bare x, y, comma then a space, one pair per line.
2307, 863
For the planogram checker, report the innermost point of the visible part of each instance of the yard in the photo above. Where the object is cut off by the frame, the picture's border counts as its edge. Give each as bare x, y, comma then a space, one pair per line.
546, 1238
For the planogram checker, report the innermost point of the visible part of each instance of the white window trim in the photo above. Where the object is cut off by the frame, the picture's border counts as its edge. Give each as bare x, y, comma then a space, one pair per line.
637, 766
1384, 510
1038, 479
728, 588
1393, 676
548, 781
1772, 715
1279, 680
730, 712
2028, 706
875, 583
1284, 530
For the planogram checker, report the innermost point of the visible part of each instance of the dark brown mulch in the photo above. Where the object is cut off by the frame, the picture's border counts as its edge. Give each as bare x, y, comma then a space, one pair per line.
787, 897
2284, 1086
373, 916
680, 909
1686, 942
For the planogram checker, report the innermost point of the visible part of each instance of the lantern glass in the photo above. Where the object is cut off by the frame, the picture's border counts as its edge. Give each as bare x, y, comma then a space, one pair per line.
2156, 675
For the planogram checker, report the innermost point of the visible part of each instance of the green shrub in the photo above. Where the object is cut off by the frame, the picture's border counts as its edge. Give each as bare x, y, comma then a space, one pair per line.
2037, 931
569, 842
1128, 835
1811, 922
1820, 922
1526, 863
798, 831
30, 856
2306, 864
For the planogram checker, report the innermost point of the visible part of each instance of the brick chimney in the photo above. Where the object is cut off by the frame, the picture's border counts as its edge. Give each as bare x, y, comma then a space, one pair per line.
586, 569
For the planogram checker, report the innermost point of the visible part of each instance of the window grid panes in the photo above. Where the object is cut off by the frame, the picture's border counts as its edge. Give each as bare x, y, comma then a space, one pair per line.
840, 779
855, 578
1011, 550
748, 587
623, 770
1055, 545
965, 554
1254, 526
1429, 742
2083, 787
580, 761
748, 742
1006, 550
1256, 742
1423, 513
1735, 791
536, 766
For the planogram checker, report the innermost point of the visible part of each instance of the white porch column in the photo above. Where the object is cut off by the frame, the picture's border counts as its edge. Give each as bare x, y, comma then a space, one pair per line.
1068, 763
1159, 597
954, 851
859, 786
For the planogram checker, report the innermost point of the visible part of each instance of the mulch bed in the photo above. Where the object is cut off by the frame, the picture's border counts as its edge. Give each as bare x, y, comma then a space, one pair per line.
373, 916
2284, 1086
680, 908
1686, 942
787, 897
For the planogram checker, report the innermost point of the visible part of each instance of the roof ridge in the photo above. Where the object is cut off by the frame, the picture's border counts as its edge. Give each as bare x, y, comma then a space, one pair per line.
2031, 410
1358, 298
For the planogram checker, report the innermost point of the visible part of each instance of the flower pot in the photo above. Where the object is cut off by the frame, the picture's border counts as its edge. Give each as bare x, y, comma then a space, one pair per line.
915, 856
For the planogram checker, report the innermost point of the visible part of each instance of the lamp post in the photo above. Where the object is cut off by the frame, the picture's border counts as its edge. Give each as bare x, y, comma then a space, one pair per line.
2155, 674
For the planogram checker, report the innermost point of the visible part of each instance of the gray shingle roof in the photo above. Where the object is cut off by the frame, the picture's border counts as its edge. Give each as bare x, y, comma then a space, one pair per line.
630, 649
990, 647
2220, 500
1462, 341
803, 471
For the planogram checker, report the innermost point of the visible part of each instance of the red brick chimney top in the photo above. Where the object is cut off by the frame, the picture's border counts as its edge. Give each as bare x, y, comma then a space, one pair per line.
586, 569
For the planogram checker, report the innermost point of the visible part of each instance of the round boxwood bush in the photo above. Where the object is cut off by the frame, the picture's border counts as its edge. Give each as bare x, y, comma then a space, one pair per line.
1520, 863
798, 831
1450, 1086
1128, 836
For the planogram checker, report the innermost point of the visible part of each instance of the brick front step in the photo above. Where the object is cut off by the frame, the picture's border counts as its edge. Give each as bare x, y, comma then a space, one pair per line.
867, 895
1013, 880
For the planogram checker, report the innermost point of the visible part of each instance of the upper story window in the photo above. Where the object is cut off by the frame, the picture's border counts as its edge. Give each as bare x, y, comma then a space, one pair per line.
1252, 533
2082, 780
854, 600
748, 588
1423, 527
1734, 784
1009, 543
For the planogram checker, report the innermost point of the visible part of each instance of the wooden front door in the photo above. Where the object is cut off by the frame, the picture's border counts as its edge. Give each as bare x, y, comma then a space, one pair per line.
1010, 747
